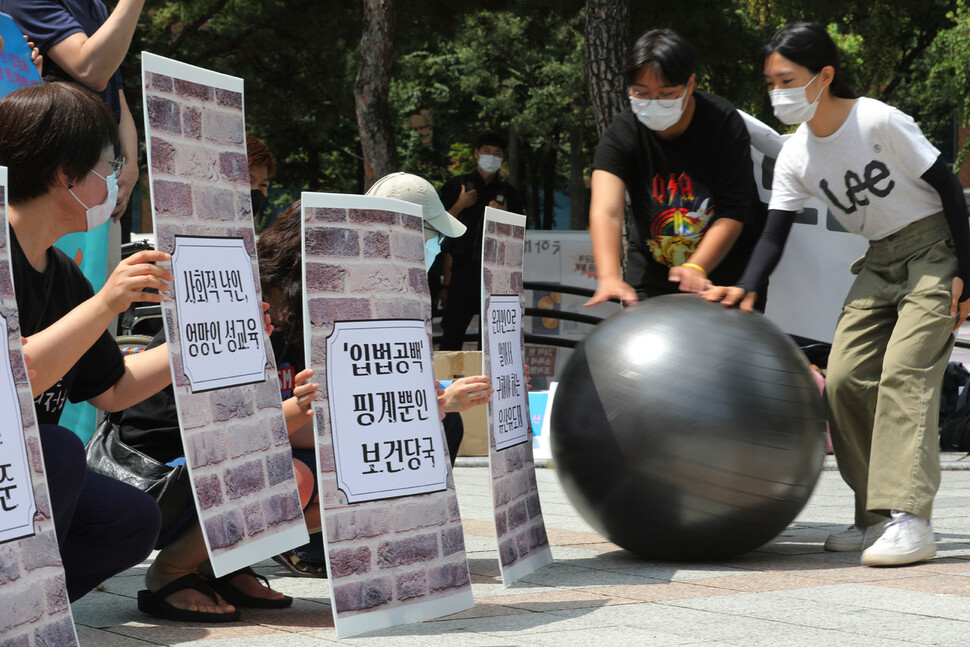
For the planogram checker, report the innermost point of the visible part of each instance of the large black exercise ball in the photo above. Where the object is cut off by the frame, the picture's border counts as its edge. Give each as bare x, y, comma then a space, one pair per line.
685, 430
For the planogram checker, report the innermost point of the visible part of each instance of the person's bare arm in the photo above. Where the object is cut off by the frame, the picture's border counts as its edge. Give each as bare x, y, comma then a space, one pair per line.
606, 209
58, 347
714, 246
92, 60
146, 374
128, 140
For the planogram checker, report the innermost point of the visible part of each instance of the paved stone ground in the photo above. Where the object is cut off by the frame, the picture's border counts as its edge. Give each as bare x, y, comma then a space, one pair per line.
789, 592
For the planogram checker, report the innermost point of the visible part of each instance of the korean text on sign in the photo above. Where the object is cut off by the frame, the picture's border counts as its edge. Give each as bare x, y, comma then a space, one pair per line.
509, 407
219, 313
16, 489
384, 410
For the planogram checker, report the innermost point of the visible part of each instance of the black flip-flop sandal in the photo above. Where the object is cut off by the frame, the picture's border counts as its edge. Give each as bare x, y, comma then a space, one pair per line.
300, 567
153, 602
237, 598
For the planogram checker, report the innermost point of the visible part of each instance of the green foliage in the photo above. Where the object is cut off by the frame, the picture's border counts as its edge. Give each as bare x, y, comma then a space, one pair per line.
939, 89
516, 67
298, 60
517, 73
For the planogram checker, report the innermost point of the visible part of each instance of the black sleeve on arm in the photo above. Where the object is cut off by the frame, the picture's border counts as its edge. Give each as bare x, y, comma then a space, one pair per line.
767, 251
449, 192
954, 204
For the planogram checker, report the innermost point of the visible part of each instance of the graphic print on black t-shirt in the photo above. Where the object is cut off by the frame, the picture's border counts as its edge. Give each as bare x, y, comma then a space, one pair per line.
685, 211
50, 403
287, 376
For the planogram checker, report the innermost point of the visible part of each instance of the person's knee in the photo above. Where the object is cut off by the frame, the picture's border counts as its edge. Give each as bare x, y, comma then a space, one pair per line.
134, 515
304, 481
64, 460
838, 376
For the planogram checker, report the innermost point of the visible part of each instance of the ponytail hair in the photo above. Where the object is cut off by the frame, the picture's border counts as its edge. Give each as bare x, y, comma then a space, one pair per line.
809, 45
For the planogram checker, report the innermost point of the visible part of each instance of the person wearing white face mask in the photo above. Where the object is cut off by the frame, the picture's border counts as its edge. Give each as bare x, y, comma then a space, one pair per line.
882, 179
56, 142
683, 158
465, 197
98, 215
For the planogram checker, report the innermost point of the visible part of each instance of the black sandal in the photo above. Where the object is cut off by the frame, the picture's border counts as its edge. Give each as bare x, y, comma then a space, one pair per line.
237, 598
299, 567
153, 602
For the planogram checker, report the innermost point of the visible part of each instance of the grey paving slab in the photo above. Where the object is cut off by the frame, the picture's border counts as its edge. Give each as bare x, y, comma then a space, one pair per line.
913, 603
275, 640
789, 592
619, 636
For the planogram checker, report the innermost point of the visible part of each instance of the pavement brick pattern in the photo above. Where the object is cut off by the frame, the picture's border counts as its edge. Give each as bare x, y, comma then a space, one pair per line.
369, 264
518, 515
235, 438
788, 593
34, 610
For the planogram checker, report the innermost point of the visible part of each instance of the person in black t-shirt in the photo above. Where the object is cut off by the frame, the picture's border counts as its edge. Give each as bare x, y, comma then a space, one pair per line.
683, 157
56, 140
465, 197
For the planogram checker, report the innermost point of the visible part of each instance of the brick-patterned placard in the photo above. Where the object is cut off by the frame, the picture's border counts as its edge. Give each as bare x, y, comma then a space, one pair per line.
34, 609
396, 560
523, 546
235, 439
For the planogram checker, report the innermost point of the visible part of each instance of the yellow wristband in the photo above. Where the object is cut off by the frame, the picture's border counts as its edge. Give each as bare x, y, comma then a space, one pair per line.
696, 267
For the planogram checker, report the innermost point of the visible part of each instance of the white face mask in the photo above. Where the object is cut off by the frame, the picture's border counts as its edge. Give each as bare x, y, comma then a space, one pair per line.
489, 163
432, 247
99, 214
792, 106
658, 114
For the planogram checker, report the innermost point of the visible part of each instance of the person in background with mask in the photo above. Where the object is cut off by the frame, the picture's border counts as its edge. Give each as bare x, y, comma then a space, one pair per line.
683, 157
465, 197
882, 179
262, 166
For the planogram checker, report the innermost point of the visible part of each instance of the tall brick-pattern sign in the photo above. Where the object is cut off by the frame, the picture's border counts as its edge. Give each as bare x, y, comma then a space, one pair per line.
34, 609
523, 546
391, 560
223, 369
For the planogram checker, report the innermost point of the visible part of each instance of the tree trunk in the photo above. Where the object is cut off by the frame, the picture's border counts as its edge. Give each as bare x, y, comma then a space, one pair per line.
578, 214
536, 204
371, 90
607, 40
549, 189
513, 158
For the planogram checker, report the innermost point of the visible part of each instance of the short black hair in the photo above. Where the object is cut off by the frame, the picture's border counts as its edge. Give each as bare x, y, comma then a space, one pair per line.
663, 49
809, 45
51, 127
490, 139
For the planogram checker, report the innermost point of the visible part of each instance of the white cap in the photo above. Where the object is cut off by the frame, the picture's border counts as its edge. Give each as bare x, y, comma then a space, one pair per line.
415, 189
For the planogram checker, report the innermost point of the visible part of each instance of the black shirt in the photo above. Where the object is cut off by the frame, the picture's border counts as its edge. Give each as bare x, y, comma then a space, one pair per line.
152, 425
466, 250
42, 299
679, 187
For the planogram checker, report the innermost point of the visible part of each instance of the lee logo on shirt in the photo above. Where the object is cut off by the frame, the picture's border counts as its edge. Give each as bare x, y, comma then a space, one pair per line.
874, 178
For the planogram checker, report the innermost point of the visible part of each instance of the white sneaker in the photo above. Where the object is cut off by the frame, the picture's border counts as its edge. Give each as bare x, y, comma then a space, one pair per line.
907, 539
854, 539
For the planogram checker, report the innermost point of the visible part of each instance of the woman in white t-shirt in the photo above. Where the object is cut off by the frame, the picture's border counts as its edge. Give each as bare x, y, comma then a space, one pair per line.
882, 179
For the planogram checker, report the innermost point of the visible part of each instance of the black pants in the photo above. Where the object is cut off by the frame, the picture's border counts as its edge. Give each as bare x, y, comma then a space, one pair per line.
103, 526
464, 302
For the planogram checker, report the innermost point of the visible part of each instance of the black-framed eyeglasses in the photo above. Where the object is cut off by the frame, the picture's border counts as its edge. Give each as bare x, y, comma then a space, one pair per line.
117, 165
